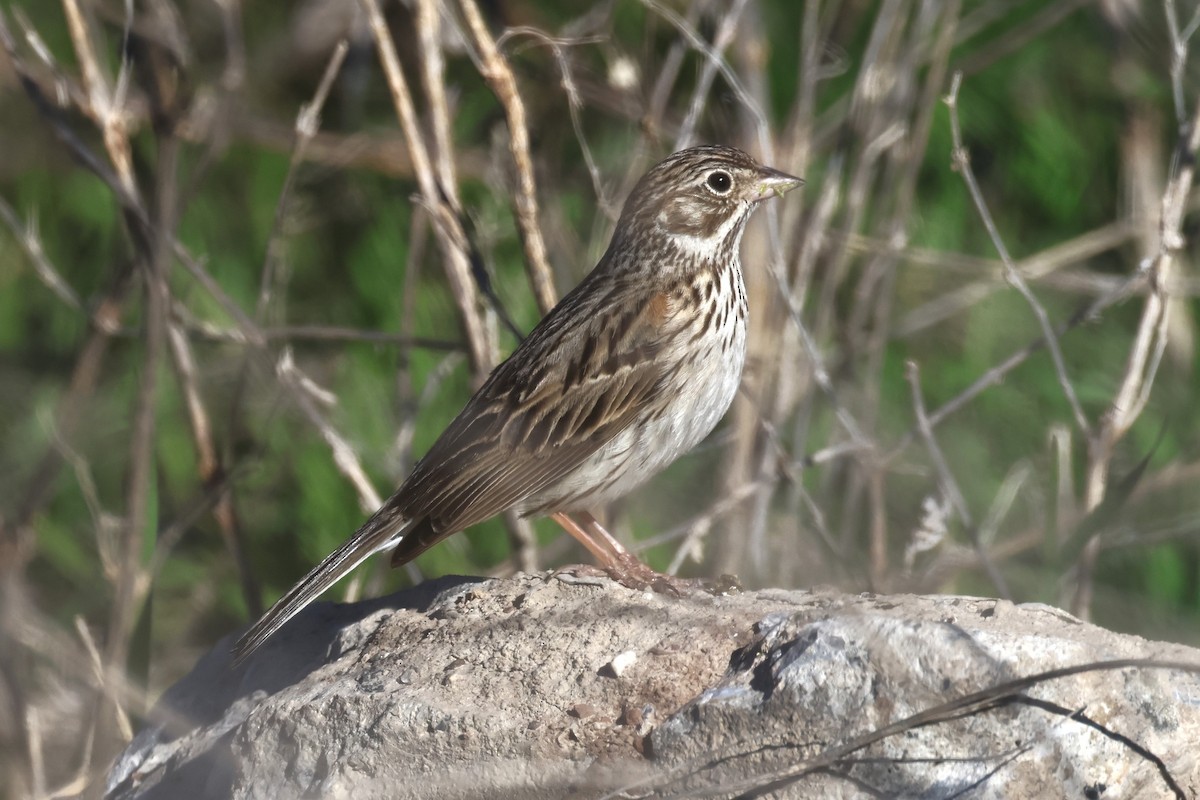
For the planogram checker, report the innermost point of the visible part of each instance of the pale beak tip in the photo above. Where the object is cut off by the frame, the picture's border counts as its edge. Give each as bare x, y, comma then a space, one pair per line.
774, 183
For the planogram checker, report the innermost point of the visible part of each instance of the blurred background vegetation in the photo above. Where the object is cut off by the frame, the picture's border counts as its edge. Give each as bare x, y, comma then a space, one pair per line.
162, 476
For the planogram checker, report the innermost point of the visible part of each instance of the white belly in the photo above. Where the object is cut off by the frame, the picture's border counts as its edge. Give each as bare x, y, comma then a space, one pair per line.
638, 453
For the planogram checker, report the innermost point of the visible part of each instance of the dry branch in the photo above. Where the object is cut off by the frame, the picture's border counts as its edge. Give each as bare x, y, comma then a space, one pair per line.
451, 238
495, 70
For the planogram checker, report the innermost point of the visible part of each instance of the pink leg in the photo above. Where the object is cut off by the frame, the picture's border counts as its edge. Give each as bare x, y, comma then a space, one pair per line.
604, 549
620, 564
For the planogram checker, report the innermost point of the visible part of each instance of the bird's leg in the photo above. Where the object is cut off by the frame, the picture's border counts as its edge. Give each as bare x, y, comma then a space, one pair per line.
603, 545
604, 548
620, 564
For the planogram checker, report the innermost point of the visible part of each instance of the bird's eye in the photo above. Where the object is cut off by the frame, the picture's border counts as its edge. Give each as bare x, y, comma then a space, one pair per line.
719, 181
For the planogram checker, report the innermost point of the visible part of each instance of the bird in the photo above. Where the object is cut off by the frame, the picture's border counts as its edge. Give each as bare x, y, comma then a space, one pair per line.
629, 371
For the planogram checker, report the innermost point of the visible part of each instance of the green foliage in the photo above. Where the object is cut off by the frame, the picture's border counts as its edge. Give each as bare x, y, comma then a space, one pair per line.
1044, 125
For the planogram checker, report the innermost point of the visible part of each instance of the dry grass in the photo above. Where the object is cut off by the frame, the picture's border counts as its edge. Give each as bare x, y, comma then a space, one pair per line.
832, 466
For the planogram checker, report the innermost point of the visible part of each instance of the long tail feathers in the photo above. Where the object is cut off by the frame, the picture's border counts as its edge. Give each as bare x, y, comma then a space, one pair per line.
380, 532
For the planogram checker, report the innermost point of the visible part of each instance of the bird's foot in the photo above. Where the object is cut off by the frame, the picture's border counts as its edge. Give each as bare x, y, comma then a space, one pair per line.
633, 574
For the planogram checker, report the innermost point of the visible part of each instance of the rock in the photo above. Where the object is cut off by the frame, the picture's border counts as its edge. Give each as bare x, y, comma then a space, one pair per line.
463, 688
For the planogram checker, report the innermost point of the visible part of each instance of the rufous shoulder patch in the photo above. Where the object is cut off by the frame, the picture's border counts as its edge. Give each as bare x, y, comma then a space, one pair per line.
658, 308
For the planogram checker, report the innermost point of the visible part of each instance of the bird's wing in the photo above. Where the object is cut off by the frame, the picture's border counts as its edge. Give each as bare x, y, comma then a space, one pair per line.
583, 376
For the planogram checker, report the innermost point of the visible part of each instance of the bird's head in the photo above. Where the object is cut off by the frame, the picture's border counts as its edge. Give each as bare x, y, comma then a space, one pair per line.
702, 196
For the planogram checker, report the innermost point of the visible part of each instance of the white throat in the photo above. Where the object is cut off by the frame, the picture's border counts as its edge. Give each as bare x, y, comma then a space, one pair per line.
703, 246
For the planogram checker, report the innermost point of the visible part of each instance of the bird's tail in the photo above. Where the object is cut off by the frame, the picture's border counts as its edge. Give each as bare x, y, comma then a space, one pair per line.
380, 532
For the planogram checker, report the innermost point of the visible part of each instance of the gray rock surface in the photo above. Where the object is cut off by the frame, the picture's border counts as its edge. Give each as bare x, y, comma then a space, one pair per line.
553, 686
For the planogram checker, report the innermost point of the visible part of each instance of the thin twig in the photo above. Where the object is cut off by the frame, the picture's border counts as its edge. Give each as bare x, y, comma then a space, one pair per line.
557, 46
208, 463
1145, 355
946, 481
308, 122
306, 394
433, 81
107, 105
997, 373
450, 237
962, 163
496, 71
726, 30
1040, 266
981, 701
694, 531
333, 333
27, 236
1179, 54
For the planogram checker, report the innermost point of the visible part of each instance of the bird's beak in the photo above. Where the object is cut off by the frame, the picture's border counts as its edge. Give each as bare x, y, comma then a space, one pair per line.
773, 183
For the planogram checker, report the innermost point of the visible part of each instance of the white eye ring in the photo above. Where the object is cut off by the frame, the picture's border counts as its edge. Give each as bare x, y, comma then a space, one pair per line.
719, 182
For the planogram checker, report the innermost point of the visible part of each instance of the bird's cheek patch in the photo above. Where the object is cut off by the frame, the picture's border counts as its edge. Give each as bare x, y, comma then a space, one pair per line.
688, 219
